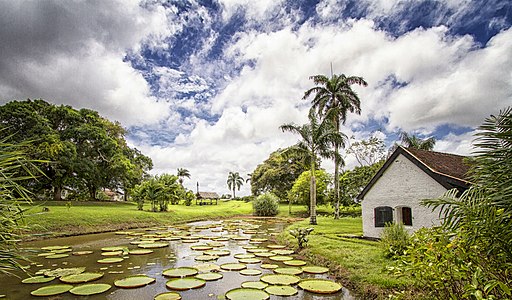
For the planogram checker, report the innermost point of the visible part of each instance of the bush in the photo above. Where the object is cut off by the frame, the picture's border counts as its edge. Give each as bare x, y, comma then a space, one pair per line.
301, 234
394, 239
266, 205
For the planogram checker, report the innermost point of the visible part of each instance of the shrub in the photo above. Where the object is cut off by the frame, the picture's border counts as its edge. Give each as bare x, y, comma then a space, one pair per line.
266, 205
301, 234
394, 239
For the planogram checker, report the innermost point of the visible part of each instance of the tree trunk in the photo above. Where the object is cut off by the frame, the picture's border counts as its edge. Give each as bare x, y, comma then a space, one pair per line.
234, 193
125, 196
92, 192
337, 177
312, 193
57, 193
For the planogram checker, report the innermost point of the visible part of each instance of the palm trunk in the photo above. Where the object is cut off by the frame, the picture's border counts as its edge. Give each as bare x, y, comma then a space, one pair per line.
337, 177
57, 193
312, 195
234, 193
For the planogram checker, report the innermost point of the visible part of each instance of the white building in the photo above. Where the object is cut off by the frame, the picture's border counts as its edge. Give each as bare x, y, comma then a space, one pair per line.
407, 177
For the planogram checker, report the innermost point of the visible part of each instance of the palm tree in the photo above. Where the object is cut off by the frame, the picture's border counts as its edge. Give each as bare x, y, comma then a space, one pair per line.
182, 172
317, 138
412, 141
234, 181
330, 94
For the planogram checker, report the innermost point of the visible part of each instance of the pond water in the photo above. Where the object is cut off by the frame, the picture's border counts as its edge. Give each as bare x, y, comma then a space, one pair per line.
232, 235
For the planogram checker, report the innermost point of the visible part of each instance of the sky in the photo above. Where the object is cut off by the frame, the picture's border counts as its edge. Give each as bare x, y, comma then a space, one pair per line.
205, 85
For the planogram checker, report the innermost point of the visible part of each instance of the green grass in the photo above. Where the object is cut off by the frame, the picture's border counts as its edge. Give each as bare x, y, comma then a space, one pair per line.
90, 217
361, 263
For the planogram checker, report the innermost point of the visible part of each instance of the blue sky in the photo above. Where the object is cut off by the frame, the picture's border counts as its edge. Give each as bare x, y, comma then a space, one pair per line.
204, 85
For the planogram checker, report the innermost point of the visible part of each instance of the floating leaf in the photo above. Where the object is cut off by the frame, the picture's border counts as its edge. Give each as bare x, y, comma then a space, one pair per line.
269, 266
206, 257
134, 281
153, 245
209, 276
320, 286
207, 267
81, 278
51, 248
250, 272
63, 272
281, 279
254, 284
280, 258
288, 271
38, 279
112, 253
168, 296
140, 251
315, 270
247, 293
112, 248
295, 262
55, 256
182, 284
51, 290
180, 272
223, 252
274, 246
90, 289
110, 260
281, 290
233, 266
249, 261
201, 247
264, 254
86, 252
244, 256
282, 252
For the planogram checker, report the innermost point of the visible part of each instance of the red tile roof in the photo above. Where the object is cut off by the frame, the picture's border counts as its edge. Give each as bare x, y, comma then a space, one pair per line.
443, 163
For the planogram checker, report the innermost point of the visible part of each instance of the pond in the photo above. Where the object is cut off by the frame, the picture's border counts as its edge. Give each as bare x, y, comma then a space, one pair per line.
208, 246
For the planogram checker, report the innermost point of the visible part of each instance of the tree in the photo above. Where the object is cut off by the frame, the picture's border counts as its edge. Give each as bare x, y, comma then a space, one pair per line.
316, 141
412, 141
368, 152
300, 192
182, 173
278, 173
234, 181
353, 181
335, 97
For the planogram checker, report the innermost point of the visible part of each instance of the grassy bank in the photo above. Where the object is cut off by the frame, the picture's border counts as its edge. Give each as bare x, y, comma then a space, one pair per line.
92, 217
358, 264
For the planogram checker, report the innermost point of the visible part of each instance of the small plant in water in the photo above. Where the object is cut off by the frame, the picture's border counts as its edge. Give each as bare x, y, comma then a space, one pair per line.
301, 234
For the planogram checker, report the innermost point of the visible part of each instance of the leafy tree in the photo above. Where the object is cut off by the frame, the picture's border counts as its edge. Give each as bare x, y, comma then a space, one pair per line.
353, 181
234, 181
368, 152
300, 192
182, 173
334, 98
317, 138
277, 173
412, 141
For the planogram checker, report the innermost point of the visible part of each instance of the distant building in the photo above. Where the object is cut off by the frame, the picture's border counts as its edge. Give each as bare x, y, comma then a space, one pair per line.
203, 198
407, 177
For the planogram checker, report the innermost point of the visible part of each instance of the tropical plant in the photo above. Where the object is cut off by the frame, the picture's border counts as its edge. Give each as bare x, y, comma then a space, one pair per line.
412, 141
333, 99
317, 139
182, 173
300, 191
266, 205
301, 234
235, 181
394, 239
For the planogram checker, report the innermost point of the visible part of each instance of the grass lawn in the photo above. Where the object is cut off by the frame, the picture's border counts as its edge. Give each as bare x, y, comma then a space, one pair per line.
359, 264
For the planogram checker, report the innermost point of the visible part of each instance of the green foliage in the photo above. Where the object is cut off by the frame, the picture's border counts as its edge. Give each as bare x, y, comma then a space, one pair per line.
352, 182
189, 197
266, 205
368, 152
394, 240
301, 234
300, 192
160, 191
412, 141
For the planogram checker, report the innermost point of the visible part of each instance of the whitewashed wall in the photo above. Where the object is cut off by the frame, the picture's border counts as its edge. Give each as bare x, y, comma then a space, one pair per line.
402, 184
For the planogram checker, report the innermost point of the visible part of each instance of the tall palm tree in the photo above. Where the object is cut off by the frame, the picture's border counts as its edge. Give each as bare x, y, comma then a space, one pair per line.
317, 139
412, 141
330, 94
234, 181
182, 172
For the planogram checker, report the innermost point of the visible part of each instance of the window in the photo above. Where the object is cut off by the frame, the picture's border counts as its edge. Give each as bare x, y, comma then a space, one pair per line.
406, 216
383, 215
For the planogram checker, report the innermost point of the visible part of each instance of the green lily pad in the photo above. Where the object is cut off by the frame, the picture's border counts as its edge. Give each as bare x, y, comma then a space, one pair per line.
90, 289
182, 284
59, 251
259, 240
247, 293
233, 266
315, 270
269, 266
51, 248
320, 286
110, 260
244, 256
206, 257
38, 279
64, 271
256, 250
45, 254
223, 252
112, 248
264, 254
112, 253
215, 244
281, 290
249, 260
250, 272
207, 267
134, 281
51, 290
55, 256
81, 278
295, 262
288, 271
153, 245
180, 272
86, 252
275, 246
254, 284
209, 276
168, 296
140, 251
201, 247
280, 258
282, 252
280, 279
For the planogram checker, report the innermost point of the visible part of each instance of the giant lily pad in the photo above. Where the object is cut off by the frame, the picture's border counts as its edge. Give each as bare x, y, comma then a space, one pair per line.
54, 256
85, 252
249, 260
51, 248
113, 248
51, 290
168, 296
280, 258
140, 251
282, 251
81, 278
223, 252
288, 271
320, 286
90, 289
206, 257
180, 272
153, 245
269, 266
244, 256
280, 279
112, 253
315, 270
63, 272
281, 290
247, 293
254, 284
250, 272
182, 284
209, 276
204, 268
294, 262
264, 254
274, 246
38, 279
201, 247
134, 281
233, 266
110, 260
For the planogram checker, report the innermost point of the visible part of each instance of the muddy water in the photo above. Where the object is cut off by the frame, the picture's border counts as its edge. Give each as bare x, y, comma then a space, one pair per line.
177, 254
